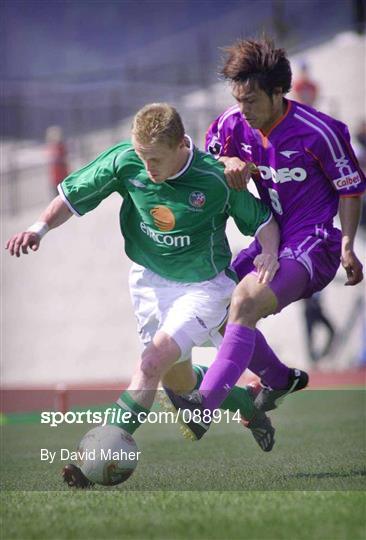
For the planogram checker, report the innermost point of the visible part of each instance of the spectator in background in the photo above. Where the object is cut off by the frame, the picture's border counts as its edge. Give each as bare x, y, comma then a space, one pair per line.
314, 316
306, 91
360, 151
360, 147
57, 157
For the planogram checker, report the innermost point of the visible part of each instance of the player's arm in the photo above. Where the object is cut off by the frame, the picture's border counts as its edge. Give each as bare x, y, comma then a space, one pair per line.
254, 218
53, 216
340, 165
237, 172
349, 215
80, 192
221, 143
266, 262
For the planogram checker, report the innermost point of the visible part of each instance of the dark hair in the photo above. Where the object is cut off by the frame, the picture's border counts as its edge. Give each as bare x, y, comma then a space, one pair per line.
258, 61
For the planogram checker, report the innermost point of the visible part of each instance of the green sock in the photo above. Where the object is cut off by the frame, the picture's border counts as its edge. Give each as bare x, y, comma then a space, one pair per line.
238, 399
126, 404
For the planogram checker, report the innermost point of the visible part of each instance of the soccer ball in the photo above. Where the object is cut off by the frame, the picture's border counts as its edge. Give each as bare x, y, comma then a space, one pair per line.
107, 455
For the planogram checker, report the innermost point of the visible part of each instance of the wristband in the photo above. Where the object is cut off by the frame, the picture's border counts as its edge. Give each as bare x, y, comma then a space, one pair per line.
40, 228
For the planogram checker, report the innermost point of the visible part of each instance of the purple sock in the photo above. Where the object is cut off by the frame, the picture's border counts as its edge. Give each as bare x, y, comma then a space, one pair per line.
267, 366
232, 359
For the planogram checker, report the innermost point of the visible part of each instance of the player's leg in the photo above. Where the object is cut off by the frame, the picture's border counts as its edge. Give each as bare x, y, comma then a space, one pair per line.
331, 335
310, 317
245, 346
195, 320
319, 255
152, 297
160, 352
273, 371
242, 400
205, 309
169, 328
183, 378
250, 302
289, 284
322, 320
134, 404
138, 399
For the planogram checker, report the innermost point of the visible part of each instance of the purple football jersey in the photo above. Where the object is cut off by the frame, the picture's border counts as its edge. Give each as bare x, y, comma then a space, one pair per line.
305, 164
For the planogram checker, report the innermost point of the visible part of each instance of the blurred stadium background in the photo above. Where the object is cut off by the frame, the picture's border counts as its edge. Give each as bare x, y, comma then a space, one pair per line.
87, 66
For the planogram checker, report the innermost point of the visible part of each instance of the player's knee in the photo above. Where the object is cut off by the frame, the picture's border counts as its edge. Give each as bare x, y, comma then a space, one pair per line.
243, 308
151, 365
157, 358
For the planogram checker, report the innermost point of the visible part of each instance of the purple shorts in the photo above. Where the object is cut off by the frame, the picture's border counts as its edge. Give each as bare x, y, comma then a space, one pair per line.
307, 264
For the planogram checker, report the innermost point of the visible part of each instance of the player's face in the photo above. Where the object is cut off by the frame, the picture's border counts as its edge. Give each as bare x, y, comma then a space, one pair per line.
160, 160
260, 110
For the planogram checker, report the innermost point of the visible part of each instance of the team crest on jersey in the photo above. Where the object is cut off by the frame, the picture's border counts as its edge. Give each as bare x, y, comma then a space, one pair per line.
197, 199
215, 146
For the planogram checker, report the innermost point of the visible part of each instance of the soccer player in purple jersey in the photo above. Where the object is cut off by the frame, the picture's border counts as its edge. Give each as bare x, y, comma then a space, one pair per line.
304, 167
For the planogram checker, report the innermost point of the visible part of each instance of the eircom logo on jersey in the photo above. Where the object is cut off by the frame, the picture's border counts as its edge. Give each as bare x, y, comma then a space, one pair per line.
166, 239
347, 181
280, 176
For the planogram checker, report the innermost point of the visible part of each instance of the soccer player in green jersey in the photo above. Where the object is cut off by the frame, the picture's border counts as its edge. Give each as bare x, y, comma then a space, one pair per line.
175, 206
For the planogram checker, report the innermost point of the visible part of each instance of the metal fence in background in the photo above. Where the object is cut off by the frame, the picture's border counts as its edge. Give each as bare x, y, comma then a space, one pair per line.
25, 176
88, 99
94, 108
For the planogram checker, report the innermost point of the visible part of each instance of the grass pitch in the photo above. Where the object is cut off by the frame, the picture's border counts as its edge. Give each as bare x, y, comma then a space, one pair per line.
310, 486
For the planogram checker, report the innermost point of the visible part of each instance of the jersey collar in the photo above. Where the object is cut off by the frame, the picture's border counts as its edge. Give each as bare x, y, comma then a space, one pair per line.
278, 121
189, 160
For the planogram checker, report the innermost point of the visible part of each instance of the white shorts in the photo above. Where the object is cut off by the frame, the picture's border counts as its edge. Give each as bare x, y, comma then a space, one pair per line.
190, 313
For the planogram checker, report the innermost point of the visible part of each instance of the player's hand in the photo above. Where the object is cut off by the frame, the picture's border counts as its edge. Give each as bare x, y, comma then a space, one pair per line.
21, 242
267, 265
352, 266
238, 173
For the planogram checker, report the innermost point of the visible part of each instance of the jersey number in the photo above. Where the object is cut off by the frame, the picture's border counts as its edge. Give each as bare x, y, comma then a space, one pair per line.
275, 201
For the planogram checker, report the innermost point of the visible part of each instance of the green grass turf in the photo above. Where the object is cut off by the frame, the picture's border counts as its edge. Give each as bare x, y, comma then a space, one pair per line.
310, 486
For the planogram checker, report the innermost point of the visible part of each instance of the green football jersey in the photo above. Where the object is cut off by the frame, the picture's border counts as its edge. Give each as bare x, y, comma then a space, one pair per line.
176, 228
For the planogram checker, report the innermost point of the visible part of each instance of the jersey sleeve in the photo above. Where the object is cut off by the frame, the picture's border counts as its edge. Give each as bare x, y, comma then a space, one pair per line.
335, 155
219, 137
250, 214
86, 188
